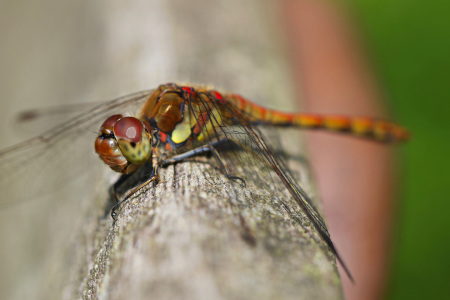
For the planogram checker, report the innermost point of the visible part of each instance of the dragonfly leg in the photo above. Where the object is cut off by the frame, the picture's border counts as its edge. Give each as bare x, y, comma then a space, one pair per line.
117, 184
225, 168
178, 158
153, 177
202, 150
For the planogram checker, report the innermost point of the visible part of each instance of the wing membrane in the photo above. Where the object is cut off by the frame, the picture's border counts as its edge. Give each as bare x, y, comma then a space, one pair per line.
254, 158
53, 159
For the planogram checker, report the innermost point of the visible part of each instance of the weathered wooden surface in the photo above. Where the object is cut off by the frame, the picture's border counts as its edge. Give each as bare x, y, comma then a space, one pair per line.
191, 236
197, 235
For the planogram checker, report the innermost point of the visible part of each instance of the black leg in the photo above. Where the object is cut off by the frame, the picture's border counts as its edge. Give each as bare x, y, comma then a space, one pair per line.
153, 177
225, 168
186, 155
113, 191
202, 150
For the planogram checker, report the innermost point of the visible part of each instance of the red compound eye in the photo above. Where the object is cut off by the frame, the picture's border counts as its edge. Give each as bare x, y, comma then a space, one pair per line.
109, 123
129, 128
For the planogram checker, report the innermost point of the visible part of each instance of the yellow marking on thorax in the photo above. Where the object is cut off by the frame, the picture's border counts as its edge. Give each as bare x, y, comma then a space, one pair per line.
214, 120
182, 130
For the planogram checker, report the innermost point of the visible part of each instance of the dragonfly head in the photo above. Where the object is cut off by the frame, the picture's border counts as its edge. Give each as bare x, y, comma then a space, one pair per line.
123, 143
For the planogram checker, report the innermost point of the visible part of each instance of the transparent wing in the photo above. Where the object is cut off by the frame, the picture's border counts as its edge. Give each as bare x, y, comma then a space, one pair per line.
48, 236
34, 121
254, 159
52, 160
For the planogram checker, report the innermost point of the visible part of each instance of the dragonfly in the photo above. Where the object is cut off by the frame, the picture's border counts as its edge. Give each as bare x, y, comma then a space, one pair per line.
174, 123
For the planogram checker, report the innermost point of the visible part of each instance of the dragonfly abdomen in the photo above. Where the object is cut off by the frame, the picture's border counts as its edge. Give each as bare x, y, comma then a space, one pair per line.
358, 126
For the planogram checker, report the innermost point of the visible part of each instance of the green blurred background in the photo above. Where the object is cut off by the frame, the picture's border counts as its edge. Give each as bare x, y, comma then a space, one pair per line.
410, 47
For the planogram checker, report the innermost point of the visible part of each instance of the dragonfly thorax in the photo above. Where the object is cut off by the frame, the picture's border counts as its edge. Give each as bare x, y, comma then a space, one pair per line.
124, 143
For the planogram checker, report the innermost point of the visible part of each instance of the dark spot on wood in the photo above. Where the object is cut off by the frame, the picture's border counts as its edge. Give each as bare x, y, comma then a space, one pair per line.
247, 234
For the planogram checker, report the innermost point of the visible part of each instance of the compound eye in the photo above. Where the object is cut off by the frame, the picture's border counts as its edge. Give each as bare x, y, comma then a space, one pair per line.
129, 129
107, 126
